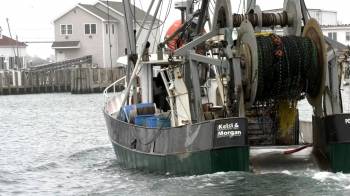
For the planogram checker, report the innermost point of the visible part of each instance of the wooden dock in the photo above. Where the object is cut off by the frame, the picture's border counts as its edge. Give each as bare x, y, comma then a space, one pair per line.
76, 76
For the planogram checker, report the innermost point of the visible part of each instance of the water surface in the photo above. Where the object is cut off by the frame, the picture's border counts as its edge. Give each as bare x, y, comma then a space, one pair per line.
57, 144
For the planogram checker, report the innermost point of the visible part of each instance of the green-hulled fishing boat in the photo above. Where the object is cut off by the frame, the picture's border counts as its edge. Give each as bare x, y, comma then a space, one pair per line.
221, 82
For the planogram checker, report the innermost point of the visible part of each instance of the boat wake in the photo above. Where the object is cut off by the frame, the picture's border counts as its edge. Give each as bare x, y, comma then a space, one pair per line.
96, 152
43, 167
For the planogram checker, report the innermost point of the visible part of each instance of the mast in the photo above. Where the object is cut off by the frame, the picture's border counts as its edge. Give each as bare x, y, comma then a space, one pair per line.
131, 51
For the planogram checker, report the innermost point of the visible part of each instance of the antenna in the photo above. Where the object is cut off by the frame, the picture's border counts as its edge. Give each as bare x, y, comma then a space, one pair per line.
109, 40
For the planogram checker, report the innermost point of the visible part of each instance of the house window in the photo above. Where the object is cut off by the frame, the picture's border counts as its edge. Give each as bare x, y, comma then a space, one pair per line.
330, 35
333, 35
69, 29
66, 29
2, 63
11, 62
112, 28
93, 28
90, 28
347, 36
19, 62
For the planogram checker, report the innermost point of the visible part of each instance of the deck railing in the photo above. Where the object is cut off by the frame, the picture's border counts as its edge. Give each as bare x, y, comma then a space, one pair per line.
114, 85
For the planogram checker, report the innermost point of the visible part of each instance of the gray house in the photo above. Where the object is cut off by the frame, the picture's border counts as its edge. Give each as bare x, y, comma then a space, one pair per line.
89, 30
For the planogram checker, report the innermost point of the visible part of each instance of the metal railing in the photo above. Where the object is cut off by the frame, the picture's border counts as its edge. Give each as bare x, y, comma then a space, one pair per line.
113, 85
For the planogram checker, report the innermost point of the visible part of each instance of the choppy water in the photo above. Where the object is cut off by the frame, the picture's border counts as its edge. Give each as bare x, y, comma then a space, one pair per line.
57, 144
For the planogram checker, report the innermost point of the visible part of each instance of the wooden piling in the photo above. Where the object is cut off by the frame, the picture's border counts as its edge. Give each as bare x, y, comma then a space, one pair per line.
1, 83
78, 78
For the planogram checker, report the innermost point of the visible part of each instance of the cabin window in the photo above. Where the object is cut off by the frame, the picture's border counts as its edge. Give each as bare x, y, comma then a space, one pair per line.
90, 29
347, 36
112, 28
66, 29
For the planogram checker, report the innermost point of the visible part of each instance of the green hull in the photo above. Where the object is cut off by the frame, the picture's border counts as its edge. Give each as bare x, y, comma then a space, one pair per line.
339, 157
332, 138
190, 163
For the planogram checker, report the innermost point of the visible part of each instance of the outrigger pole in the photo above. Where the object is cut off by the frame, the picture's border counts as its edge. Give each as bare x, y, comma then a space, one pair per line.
137, 65
131, 48
144, 20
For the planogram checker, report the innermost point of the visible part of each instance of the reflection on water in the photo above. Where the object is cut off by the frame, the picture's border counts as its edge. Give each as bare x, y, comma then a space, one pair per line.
57, 144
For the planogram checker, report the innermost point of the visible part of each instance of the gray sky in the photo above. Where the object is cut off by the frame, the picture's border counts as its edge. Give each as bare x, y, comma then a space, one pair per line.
32, 20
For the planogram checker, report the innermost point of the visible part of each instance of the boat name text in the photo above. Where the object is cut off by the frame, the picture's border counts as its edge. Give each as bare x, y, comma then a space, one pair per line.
228, 130
347, 121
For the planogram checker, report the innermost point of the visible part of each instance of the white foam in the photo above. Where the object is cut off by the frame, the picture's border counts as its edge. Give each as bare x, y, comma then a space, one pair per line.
339, 177
321, 176
286, 172
209, 184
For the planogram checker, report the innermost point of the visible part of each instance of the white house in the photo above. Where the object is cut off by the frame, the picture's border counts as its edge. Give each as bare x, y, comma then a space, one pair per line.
90, 30
340, 33
329, 24
324, 17
12, 54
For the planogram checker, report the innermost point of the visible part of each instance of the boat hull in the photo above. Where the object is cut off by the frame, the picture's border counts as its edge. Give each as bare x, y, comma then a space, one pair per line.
339, 157
202, 155
189, 163
332, 139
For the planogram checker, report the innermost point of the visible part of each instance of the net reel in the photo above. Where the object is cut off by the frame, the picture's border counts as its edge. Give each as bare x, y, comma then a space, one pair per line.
246, 48
250, 46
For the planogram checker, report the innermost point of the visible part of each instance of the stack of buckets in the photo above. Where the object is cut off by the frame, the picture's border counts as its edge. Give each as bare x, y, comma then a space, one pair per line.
143, 115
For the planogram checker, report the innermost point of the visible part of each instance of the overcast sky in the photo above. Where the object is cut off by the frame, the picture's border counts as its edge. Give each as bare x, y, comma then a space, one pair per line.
32, 20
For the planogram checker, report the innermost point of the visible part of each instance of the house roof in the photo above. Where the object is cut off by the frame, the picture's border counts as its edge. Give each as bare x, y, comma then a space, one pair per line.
118, 6
8, 42
317, 10
114, 5
95, 11
65, 44
338, 25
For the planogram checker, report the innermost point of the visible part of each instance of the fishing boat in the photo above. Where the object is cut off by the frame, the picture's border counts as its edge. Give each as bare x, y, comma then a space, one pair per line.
220, 83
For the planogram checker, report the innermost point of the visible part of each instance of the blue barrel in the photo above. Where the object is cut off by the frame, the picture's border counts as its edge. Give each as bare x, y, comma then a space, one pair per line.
140, 120
145, 108
131, 111
157, 122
